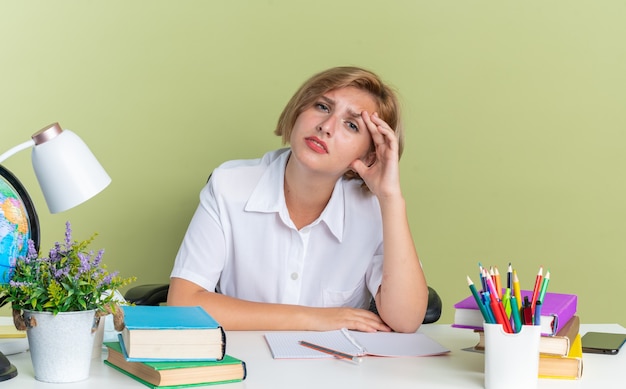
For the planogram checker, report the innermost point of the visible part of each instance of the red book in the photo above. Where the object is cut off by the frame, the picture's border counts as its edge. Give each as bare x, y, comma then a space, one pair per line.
556, 310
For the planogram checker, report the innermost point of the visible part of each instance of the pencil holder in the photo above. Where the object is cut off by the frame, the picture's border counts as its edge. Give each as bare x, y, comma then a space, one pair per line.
511, 360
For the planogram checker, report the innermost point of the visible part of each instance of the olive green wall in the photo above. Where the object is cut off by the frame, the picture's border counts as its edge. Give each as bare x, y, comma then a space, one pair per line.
514, 114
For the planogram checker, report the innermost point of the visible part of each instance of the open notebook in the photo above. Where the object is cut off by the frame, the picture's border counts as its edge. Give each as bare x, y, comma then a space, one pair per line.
286, 344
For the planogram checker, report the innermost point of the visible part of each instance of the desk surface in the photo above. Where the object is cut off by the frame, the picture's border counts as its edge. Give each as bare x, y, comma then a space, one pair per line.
457, 369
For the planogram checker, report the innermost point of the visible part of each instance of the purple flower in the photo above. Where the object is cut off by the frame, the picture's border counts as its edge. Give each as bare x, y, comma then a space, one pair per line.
70, 278
32, 252
106, 280
85, 264
17, 284
98, 258
61, 273
68, 235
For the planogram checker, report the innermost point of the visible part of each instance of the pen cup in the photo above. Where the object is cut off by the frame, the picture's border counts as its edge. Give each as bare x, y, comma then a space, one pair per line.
511, 360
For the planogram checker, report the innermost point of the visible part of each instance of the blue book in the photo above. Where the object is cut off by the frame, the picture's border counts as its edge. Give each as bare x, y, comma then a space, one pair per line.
168, 333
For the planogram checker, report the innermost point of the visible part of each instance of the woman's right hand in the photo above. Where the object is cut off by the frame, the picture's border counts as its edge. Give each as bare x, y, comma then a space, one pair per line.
328, 319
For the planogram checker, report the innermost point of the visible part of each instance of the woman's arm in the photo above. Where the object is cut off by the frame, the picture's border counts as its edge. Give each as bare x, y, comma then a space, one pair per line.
237, 314
403, 295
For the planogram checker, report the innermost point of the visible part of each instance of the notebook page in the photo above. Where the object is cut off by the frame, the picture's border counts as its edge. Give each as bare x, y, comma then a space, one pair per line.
393, 344
389, 344
285, 344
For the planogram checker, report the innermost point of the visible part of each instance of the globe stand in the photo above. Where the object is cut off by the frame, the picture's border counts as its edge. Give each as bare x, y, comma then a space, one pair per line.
10, 184
7, 370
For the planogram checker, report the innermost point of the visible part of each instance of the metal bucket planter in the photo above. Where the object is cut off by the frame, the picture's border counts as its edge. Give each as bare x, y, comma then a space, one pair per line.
61, 345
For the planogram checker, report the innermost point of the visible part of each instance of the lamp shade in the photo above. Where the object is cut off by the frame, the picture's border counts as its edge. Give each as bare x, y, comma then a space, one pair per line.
67, 171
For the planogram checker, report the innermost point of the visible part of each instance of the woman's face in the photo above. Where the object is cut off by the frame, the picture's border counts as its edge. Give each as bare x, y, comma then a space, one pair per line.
329, 135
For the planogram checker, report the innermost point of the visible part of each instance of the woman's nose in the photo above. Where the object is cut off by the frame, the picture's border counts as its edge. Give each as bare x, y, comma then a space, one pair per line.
328, 125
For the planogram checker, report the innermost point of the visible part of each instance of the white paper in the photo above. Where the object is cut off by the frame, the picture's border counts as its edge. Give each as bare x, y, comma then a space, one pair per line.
285, 344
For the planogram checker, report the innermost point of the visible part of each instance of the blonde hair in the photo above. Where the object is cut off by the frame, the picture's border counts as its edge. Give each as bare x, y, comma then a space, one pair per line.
336, 78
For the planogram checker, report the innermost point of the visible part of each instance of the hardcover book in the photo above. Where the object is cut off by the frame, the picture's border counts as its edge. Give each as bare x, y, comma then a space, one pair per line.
563, 367
154, 333
176, 374
557, 309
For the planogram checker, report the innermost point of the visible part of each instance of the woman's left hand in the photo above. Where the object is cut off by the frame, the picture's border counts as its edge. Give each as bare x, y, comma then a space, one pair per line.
382, 176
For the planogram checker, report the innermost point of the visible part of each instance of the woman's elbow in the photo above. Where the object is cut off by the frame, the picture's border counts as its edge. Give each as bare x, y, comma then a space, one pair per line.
182, 292
405, 321
408, 325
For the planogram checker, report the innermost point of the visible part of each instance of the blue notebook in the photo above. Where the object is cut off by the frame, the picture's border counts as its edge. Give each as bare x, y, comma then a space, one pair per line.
142, 317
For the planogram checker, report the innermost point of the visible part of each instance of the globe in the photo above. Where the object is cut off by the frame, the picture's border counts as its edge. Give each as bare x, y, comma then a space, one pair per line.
18, 222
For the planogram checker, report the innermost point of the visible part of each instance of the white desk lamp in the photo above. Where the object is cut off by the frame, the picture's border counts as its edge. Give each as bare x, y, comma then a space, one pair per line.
68, 174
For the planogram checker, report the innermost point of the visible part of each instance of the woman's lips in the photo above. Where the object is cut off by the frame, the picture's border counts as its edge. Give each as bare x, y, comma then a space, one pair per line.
316, 145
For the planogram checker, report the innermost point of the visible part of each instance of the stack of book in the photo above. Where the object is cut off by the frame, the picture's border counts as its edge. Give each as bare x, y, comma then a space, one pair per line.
163, 346
560, 346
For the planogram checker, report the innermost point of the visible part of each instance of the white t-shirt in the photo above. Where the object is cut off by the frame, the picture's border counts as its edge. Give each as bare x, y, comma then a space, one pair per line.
242, 241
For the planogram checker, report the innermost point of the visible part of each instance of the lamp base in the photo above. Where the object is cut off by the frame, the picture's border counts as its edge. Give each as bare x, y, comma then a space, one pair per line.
7, 370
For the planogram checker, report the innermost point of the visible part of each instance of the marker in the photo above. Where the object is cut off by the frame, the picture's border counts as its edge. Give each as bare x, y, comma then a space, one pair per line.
537, 313
334, 353
509, 277
517, 320
527, 313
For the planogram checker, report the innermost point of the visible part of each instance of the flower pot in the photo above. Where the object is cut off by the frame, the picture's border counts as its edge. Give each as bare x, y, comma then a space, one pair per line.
61, 345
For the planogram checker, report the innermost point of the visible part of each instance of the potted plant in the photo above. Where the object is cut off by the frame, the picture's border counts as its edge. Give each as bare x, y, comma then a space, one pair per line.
59, 300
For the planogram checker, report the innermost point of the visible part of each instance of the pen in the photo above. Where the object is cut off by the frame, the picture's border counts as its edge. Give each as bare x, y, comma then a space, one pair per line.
537, 313
479, 301
509, 277
544, 287
334, 353
527, 313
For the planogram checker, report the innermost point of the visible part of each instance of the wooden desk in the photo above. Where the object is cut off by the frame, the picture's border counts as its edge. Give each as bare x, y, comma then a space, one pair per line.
458, 369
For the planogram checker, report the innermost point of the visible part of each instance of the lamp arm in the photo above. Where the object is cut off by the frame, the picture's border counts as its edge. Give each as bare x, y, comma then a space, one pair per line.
17, 149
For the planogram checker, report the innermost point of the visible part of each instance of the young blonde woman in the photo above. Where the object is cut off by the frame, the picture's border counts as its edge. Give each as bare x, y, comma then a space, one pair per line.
302, 238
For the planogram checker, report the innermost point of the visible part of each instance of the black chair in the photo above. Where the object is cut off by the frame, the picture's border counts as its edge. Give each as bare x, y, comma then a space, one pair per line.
156, 294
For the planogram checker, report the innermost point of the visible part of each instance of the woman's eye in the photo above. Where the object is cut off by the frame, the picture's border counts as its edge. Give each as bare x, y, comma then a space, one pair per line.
352, 126
322, 107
